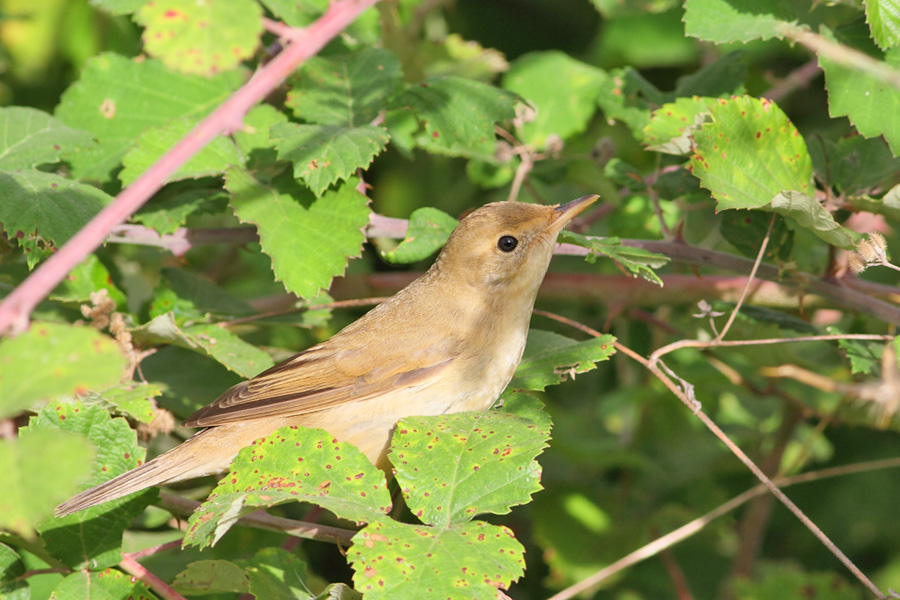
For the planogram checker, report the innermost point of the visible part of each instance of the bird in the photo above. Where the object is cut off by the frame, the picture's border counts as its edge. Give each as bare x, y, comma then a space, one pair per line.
448, 342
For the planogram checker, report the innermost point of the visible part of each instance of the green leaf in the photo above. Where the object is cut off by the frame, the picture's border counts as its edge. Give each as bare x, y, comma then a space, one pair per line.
118, 7
202, 37
724, 21
721, 78
550, 359
525, 405
458, 114
70, 359
216, 342
292, 465
611, 9
190, 379
254, 139
785, 580
339, 591
212, 159
810, 214
627, 97
271, 574
108, 584
227, 348
365, 29
751, 156
91, 538
854, 164
30, 137
347, 90
308, 240
171, 207
625, 175
134, 400
42, 210
638, 261
453, 55
324, 154
672, 125
428, 230
746, 231
11, 567
563, 92
749, 153
88, 277
195, 297
453, 467
864, 357
883, 17
469, 561
870, 104
117, 98
40, 470
211, 577
276, 574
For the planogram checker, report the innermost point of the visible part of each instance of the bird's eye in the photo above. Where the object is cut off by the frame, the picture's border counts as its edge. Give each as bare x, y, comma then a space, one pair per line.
507, 243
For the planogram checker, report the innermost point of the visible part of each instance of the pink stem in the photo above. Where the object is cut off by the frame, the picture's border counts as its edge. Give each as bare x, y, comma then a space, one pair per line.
16, 308
151, 580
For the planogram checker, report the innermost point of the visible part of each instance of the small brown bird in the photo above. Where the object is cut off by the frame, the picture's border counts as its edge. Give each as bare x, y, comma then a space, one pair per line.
448, 342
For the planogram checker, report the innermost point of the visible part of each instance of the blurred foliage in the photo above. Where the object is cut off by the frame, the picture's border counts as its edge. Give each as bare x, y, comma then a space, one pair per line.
704, 125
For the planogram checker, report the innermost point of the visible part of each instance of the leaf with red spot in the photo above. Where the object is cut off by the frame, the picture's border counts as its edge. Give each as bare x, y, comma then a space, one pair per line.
672, 125
51, 360
550, 358
292, 465
457, 115
347, 89
201, 36
871, 103
325, 154
467, 561
117, 98
751, 156
41, 211
101, 585
219, 154
561, 90
29, 138
39, 471
92, 538
453, 467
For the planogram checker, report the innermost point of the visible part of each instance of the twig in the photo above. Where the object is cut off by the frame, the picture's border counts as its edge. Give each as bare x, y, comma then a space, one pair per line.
33, 572
682, 592
689, 529
759, 256
307, 307
753, 523
871, 337
150, 579
178, 505
795, 80
841, 54
173, 545
654, 367
16, 308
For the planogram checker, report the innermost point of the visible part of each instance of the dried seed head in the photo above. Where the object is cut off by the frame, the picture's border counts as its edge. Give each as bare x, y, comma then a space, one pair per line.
867, 250
856, 262
878, 240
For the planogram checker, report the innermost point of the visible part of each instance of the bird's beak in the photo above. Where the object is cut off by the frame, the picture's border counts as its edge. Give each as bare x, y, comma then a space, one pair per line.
564, 213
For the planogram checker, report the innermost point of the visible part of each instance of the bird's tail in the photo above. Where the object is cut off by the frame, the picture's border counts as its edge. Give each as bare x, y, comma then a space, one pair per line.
182, 462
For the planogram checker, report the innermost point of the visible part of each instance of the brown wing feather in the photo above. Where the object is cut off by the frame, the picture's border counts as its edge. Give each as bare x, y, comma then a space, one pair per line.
319, 378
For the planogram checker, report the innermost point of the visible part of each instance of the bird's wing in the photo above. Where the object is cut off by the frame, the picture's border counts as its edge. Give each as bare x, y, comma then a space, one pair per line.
324, 376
